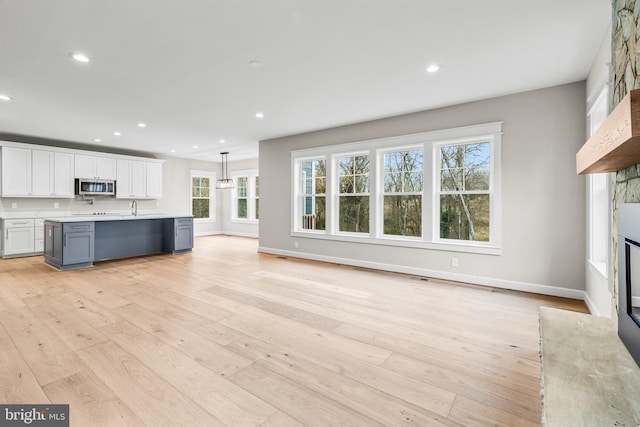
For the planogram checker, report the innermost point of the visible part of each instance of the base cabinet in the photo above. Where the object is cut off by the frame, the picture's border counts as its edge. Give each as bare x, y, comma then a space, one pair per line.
178, 235
19, 237
69, 245
72, 244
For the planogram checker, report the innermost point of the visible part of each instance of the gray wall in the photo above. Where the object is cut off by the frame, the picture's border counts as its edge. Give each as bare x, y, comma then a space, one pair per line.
543, 199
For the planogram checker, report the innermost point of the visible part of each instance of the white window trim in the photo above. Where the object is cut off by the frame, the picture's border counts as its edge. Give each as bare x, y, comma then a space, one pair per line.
601, 265
491, 132
251, 175
212, 193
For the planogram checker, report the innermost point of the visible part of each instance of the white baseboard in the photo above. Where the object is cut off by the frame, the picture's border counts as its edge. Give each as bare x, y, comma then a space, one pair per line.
635, 301
207, 233
591, 306
476, 280
234, 233
226, 233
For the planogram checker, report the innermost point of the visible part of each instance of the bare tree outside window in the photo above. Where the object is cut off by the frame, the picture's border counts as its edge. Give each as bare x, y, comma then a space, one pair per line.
403, 181
353, 189
313, 185
465, 191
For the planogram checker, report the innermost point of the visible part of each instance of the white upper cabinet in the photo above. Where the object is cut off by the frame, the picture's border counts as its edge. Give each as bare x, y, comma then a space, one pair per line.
154, 180
36, 173
42, 174
63, 167
16, 172
138, 180
95, 167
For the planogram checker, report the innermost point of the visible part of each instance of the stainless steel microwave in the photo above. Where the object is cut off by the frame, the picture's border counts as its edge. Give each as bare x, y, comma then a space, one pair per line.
95, 187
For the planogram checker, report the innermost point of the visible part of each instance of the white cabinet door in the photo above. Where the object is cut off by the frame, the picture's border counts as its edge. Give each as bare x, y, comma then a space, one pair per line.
84, 166
18, 236
16, 172
138, 179
131, 180
42, 173
105, 168
94, 167
154, 180
63, 168
123, 179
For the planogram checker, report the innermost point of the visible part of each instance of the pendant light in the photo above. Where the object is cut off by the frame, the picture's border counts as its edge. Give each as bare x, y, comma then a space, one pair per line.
224, 183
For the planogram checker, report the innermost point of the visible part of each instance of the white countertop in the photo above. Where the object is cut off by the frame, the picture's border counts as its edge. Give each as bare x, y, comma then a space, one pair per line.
112, 217
86, 216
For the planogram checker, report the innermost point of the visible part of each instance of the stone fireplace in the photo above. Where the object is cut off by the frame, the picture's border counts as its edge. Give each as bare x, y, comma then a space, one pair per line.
625, 60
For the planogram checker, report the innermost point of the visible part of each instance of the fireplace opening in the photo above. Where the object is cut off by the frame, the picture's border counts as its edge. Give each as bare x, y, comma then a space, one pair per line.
632, 255
629, 278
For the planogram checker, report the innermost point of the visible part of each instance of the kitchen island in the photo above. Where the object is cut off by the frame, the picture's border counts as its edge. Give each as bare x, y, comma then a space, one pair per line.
79, 241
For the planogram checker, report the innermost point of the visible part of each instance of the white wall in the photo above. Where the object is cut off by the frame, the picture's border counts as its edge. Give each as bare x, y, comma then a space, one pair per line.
543, 198
237, 228
597, 286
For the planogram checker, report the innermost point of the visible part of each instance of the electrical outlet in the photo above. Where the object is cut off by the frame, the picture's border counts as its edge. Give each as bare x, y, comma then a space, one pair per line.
295, 245
14, 205
454, 262
56, 205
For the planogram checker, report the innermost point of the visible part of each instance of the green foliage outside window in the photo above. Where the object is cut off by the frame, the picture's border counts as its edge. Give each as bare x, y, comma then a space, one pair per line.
200, 192
242, 210
353, 203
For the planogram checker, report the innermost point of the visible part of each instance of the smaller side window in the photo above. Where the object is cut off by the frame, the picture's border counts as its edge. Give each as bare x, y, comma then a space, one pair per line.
241, 199
245, 203
313, 197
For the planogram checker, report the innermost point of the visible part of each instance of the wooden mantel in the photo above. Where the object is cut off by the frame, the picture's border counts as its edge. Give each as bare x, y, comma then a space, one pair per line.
616, 143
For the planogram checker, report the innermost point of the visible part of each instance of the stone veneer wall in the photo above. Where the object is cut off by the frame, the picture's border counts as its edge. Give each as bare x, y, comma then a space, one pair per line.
625, 60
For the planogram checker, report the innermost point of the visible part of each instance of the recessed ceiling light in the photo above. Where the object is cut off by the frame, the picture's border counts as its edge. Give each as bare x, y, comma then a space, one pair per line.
255, 64
172, 151
222, 141
433, 68
97, 140
80, 57
195, 146
117, 133
259, 115
4, 97
142, 125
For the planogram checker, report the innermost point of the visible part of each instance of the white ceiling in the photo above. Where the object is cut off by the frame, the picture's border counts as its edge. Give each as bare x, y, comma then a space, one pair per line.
182, 67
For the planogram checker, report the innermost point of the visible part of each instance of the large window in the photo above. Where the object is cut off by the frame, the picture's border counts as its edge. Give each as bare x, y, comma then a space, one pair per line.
313, 200
433, 190
353, 202
245, 195
203, 195
465, 191
402, 192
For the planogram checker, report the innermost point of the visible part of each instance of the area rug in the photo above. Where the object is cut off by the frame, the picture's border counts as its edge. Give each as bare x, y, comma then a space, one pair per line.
588, 376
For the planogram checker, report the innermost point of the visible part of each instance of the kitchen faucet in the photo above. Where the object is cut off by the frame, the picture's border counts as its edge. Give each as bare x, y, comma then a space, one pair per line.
134, 208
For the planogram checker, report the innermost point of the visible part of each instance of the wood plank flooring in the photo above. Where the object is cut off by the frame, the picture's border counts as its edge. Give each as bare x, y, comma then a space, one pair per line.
226, 336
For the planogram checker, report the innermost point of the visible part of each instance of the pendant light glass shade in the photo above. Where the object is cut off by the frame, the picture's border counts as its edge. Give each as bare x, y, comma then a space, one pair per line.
226, 182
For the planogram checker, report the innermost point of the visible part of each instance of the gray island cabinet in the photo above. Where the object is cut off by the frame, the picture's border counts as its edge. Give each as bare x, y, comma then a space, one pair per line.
77, 242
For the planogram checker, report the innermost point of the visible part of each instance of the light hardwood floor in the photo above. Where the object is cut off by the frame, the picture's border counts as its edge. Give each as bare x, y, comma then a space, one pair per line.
227, 336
